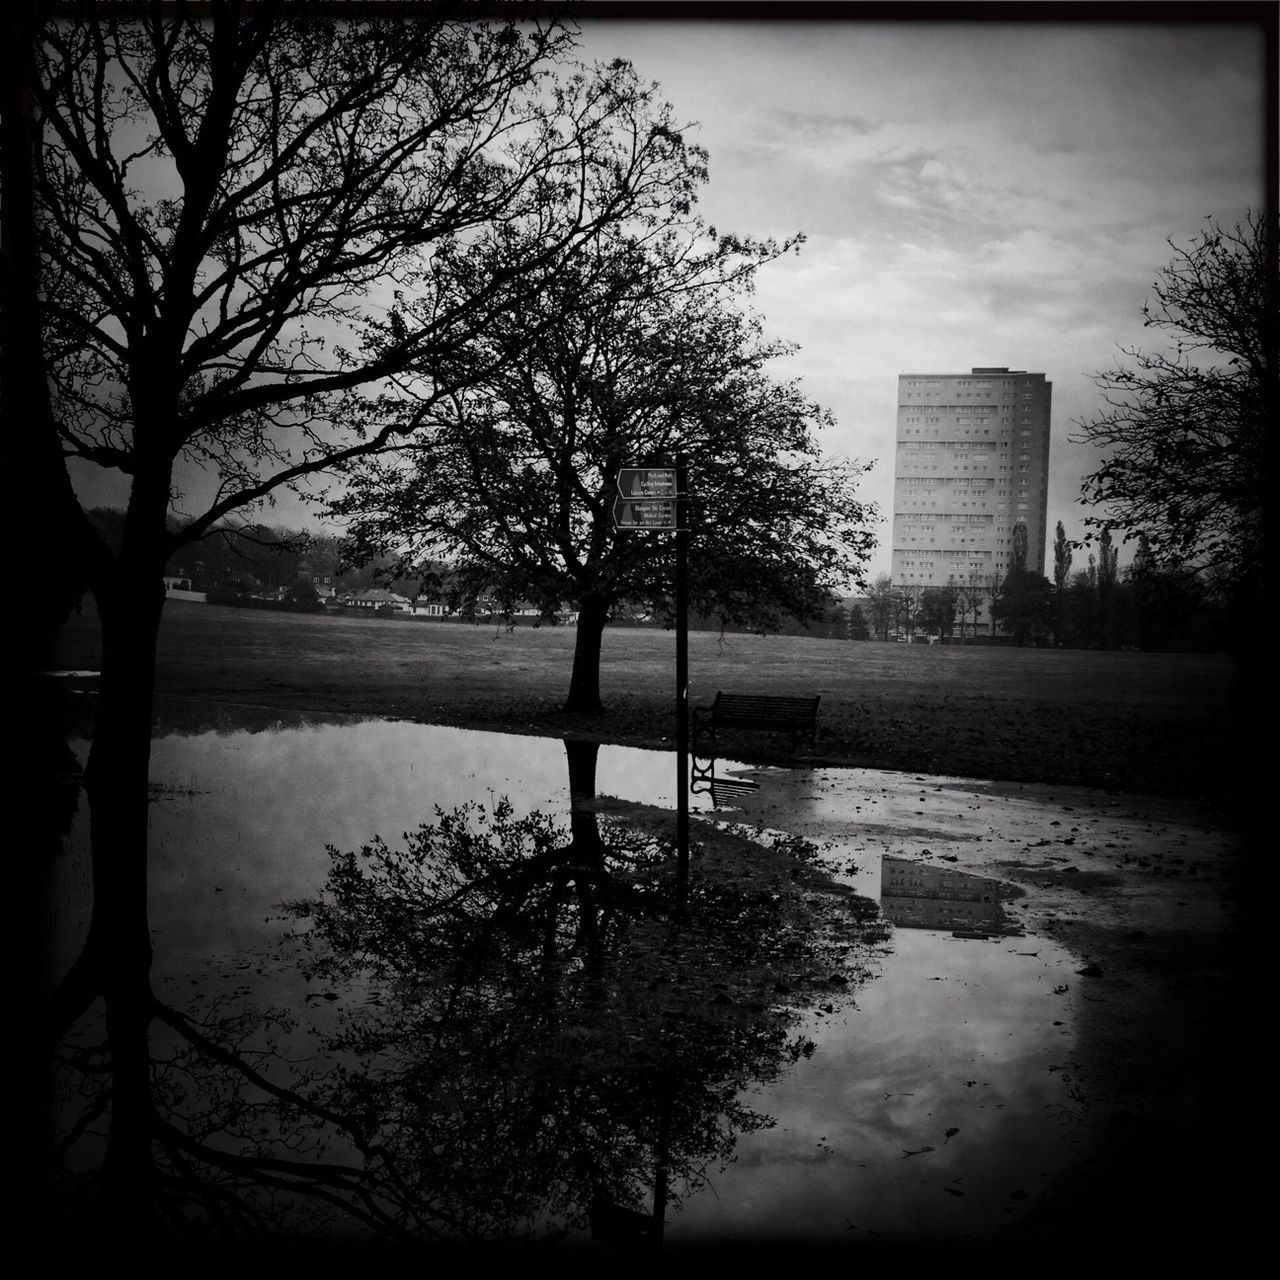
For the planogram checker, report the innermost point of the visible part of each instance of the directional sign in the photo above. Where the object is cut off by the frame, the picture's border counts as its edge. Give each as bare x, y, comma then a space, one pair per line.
644, 513
647, 482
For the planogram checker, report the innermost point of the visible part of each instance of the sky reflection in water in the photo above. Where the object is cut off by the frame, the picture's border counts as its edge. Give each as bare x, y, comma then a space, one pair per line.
951, 1053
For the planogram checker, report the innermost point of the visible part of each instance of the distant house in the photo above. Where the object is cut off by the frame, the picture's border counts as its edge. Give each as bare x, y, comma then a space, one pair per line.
376, 598
429, 607
177, 588
323, 583
565, 613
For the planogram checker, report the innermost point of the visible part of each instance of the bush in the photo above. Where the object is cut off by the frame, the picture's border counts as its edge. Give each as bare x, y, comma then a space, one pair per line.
230, 596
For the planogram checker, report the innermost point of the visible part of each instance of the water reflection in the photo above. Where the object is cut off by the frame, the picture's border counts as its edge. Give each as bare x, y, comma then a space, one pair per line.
483, 1029
942, 1108
724, 787
914, 895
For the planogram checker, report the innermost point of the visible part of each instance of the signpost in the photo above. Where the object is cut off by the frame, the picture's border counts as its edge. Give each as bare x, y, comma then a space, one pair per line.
656, 498
648, 482
645, 513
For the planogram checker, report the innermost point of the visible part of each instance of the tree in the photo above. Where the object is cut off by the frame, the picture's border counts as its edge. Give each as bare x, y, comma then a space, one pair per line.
1169, 608
1061, 580
223, 201
858, 628
1061, 558
1106, 582
989, 591
906, 600
938, 607
969, 600
1024, 605
642, 353
880, 600
304, 594
1078, 613
1184, 434
1018, 556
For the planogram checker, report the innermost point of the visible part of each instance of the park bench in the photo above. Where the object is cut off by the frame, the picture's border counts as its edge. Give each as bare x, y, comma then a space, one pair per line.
797, 716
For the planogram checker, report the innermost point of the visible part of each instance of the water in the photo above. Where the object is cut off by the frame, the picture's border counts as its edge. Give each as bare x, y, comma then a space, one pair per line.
929, 1113
936, 1104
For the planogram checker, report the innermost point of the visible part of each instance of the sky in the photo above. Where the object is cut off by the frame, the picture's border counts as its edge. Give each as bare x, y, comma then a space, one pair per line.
972, 193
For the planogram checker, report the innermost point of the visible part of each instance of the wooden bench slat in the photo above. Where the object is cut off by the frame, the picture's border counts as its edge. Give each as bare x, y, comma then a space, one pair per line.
760, 711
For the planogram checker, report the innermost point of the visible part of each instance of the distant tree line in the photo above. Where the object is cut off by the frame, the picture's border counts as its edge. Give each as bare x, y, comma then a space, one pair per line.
1150, 604
834, 623
261, 558
240, 565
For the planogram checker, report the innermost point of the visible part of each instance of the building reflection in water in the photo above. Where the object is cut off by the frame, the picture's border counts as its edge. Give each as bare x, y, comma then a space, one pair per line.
915, 895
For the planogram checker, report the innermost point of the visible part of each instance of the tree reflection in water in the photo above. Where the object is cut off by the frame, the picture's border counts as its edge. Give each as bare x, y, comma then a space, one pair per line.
521, 1027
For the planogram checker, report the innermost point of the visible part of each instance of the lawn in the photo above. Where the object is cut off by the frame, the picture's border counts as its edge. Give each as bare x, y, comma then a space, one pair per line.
1128, 721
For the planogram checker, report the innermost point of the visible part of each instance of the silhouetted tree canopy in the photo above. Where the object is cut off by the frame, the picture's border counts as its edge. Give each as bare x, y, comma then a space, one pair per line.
1184, 436
1024, 604
938, 609
241, 235
635, 352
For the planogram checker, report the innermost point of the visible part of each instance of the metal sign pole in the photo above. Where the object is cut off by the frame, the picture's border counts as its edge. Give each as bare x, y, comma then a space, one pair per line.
656, 498
682, 683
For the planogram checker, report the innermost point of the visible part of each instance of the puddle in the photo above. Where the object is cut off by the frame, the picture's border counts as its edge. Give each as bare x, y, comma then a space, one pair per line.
938, 1110
934, 1103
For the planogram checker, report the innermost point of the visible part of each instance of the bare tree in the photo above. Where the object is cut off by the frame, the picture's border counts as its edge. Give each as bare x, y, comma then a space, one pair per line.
1184, 435
968, 598
990, 588
907, 602
880, 600
250, 224
938, 606
643, 352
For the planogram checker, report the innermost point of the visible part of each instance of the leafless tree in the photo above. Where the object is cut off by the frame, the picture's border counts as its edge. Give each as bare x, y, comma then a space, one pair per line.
1184, 435
239, 250
643, 353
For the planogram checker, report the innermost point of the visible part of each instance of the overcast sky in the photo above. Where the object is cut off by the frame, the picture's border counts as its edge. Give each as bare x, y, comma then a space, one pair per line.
973, 193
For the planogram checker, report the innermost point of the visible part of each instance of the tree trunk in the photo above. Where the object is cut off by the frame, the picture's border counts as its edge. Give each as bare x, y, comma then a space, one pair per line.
584, 830
118, 949
584, 684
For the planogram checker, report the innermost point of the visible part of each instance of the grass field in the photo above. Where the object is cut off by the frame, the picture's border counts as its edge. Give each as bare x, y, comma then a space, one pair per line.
1161, 723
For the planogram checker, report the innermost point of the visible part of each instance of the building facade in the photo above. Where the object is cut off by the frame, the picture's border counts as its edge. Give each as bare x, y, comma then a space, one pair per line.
972, 463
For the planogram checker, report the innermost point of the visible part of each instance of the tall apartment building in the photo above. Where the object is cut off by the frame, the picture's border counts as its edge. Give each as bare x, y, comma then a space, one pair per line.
972, 462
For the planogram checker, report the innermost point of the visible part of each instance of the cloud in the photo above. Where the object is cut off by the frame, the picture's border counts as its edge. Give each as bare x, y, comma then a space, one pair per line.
790, 127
